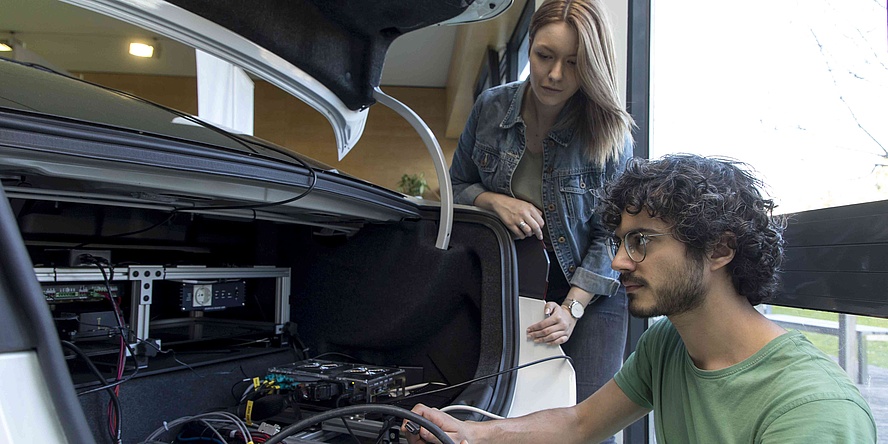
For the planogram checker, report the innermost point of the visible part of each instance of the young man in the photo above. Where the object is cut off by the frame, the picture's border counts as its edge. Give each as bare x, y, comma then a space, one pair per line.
695, 241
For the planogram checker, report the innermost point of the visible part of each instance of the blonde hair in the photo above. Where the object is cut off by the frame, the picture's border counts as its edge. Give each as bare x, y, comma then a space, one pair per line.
603, 123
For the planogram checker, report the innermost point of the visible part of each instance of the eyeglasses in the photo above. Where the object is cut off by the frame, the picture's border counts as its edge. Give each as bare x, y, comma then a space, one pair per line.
635, 242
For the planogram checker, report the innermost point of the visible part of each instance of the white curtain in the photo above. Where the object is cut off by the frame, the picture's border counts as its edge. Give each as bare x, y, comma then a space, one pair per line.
224, 94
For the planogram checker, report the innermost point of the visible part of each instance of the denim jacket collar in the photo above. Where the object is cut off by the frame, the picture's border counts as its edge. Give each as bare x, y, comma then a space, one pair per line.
513, 116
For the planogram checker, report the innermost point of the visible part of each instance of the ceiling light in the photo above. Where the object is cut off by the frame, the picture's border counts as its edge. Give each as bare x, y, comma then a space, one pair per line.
9, 44
141, 50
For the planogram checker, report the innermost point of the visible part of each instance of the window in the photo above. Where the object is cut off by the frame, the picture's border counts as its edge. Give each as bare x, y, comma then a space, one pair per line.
523, 62
491, 72
799, 91
796, 89
518, 67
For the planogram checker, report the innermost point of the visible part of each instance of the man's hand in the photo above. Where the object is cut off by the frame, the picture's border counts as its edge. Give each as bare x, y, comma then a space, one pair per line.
457, 430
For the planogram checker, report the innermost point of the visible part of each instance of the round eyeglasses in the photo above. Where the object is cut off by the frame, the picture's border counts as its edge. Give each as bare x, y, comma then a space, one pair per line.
635, 242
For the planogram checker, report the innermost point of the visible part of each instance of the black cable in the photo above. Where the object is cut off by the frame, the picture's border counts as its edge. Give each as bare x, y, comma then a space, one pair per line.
98, 262
386, 424
237, 398
291, 331
350, 432
356, 409
235, 137
113, 384
354, 359
299, 355
107, 277
114, 399
238, 139
131, 233
481, 378
175, 358
262, 205
130, 333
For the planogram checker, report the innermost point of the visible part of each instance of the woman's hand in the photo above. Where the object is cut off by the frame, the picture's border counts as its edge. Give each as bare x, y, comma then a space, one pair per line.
522, 218
555, 329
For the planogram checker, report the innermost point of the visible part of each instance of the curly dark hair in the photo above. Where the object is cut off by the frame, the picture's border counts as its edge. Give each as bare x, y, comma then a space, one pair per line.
706, 198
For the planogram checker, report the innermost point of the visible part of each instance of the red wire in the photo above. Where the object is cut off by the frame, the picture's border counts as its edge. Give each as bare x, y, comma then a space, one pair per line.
121, 359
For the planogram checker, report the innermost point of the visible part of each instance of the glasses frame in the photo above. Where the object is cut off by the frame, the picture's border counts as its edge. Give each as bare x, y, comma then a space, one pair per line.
615, 243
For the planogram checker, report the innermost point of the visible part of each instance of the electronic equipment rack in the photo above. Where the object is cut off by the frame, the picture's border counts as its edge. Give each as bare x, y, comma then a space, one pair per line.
142, 280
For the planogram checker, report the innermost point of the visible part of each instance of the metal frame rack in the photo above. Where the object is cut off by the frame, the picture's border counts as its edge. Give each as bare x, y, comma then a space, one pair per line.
143, 277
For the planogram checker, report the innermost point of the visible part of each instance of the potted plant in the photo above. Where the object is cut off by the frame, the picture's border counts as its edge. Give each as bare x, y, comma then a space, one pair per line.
413, 184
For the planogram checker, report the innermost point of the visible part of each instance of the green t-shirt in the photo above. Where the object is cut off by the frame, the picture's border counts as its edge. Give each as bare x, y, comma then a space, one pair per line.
787, 392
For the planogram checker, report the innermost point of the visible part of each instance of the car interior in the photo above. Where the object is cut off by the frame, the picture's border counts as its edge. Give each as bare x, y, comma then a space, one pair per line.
190, 270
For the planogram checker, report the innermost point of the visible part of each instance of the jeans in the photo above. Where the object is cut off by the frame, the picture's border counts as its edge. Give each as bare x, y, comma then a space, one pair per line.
598, 341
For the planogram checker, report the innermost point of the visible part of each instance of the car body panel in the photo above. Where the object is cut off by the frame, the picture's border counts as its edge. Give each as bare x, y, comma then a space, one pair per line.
37, 392
80, 153
26, 407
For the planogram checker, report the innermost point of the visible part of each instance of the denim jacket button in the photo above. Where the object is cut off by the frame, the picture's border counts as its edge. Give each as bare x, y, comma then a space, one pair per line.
561, 240
551, 207
582, 184
549, 170
572, 268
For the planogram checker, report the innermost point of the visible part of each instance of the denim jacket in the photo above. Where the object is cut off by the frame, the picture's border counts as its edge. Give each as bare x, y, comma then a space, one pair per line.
489, 149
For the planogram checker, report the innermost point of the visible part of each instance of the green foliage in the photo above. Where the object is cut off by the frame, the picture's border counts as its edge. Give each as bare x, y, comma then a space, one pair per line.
877, 351
413, 184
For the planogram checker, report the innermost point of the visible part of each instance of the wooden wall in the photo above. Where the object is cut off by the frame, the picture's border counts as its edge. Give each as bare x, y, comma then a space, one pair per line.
388, 148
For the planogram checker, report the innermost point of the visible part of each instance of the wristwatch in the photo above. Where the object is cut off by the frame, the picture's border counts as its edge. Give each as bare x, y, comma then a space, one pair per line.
575, 308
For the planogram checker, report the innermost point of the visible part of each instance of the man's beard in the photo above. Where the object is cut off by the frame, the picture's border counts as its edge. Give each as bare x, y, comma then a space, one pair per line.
679, 295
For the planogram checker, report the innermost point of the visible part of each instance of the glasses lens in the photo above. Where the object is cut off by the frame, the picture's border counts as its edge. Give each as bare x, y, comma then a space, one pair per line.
635, 246
614, 244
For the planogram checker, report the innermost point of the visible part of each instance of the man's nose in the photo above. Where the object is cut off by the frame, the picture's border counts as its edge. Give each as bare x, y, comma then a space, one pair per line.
622, 262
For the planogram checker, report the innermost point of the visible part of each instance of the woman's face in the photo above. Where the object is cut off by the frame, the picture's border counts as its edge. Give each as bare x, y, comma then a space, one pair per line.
553, 64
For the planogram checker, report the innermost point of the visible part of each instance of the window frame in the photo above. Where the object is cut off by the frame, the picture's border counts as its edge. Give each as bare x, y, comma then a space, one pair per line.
513, 47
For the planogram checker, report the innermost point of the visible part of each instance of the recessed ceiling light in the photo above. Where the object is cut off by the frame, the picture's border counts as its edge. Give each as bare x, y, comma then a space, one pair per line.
141, 50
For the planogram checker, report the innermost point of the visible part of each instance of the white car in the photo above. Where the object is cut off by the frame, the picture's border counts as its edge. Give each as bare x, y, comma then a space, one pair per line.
196, 270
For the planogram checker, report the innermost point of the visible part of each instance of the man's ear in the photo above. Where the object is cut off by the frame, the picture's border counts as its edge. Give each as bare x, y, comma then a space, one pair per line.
724, 251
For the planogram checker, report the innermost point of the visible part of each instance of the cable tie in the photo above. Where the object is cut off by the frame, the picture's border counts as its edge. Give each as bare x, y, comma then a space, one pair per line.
248, 415
166, 426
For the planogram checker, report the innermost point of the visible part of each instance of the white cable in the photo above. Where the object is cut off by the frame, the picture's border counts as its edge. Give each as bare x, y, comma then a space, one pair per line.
421, 385
451, 408
226, 418
213, 429
246, 392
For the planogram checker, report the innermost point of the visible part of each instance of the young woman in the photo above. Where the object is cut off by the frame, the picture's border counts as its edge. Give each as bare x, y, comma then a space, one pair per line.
534, 153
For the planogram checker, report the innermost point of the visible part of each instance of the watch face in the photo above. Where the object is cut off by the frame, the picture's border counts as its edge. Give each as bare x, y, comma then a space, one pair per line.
576, 309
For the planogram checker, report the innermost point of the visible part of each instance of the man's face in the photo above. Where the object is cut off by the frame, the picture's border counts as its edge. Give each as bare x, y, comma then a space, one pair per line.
667, 281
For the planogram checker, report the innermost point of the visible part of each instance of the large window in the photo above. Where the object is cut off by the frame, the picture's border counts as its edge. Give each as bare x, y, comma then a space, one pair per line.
798, 89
